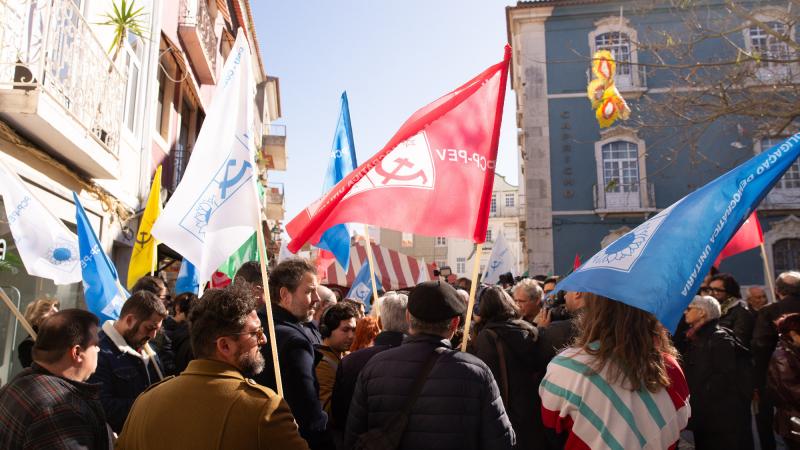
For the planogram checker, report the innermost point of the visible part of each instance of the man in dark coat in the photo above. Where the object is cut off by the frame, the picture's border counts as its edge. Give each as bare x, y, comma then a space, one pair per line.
556, 335
392, 322
765, 338
459, 406
127, 364
49, 405
293, 292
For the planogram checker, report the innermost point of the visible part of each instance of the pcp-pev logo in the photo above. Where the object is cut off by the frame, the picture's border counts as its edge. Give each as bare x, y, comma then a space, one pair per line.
409, 165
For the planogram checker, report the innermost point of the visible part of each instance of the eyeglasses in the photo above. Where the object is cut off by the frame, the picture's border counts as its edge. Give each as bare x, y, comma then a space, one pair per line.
258, 333
717, 290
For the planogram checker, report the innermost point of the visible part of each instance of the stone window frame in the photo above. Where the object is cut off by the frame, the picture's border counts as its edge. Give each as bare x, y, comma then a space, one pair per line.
621, 133
620, 24
765, 73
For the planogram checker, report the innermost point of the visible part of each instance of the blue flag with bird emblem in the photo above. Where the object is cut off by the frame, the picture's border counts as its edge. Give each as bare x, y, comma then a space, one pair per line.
102, 291
362, 286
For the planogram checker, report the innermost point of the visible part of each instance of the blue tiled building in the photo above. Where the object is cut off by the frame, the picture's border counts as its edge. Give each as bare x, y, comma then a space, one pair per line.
585, 186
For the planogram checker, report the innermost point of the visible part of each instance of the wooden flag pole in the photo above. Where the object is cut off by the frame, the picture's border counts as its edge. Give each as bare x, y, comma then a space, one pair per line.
262, 253
768, 274
371, 266
154, 262
18, 314
476, 267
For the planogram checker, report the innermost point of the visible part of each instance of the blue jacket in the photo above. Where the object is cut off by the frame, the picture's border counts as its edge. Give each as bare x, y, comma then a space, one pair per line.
123, 375
459, 407
297, 359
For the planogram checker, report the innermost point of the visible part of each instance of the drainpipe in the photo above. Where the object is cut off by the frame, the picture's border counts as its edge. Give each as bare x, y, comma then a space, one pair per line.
151, 74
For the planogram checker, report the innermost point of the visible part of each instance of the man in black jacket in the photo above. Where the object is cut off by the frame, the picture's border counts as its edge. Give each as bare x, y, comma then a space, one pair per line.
459, 406
392, 322
765, 337
293, 293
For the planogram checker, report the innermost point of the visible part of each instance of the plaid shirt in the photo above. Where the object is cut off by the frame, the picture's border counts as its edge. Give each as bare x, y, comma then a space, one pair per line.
39, 410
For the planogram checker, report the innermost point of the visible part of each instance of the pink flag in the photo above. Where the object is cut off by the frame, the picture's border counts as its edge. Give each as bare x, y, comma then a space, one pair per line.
748, 236
576, 262
435, 175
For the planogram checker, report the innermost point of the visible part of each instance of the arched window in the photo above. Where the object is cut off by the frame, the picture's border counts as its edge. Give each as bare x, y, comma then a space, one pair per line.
786, 255
621, 172
619, 44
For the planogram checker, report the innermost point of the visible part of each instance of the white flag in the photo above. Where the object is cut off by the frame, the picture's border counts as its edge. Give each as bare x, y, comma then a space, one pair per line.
284, 253
423, 272
47, 247
215, 207
502, 261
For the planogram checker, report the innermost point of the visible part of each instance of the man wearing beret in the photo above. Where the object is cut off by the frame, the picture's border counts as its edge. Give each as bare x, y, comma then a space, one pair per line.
459, 405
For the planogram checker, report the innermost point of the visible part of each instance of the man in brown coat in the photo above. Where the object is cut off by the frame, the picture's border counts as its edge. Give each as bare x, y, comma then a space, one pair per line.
212, 405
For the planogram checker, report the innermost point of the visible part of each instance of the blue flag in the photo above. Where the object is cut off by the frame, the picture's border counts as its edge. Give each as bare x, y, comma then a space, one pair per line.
187, 279
102, 291
659, 265
362, 286
343, 161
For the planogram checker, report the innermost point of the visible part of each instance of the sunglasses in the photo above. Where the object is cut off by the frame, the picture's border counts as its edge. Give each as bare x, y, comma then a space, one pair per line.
258, 333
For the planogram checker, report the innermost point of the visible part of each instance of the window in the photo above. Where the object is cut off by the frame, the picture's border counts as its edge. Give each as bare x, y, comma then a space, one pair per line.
770, 48
132, 49
620, 167
441, 241
160, 112
493, 207
461, 265
786, 255
621, 175
509, 200
617, 36
488, 235
619, 44
407, 240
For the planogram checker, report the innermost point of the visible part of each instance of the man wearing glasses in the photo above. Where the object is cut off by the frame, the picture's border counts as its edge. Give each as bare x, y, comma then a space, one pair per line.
212, 404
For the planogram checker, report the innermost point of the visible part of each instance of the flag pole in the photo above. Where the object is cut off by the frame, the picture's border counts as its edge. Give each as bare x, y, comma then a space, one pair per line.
476, 267
371, 265
768, 273
154, 262
14, 310
262, 253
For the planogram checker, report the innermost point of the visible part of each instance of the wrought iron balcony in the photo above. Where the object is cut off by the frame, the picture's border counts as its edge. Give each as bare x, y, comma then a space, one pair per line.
780, 198
58, 84
196, 30
625, 198
273, 147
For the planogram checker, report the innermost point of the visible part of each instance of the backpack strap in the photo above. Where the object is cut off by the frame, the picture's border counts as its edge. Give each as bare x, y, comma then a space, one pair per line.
501, 355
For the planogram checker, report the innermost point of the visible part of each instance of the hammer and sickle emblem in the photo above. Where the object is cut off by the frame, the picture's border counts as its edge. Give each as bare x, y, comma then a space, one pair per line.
144, 239
495, 264
226, 182
395, 175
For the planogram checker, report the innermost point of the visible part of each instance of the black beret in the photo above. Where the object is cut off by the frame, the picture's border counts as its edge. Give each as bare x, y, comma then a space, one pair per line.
435, 301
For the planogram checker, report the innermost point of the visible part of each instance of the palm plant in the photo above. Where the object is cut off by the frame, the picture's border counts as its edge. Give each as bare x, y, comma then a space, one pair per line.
126, 18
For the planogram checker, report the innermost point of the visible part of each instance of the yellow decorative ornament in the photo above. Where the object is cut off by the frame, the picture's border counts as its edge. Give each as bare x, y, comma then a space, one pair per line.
606, 99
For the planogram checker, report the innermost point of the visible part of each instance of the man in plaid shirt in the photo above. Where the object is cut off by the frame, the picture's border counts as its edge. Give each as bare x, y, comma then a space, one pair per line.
49, 405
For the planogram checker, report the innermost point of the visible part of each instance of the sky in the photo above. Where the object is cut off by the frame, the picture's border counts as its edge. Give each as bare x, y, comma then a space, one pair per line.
392, 58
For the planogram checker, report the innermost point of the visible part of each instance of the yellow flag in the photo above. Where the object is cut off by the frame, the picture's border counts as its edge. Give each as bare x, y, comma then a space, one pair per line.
143, 258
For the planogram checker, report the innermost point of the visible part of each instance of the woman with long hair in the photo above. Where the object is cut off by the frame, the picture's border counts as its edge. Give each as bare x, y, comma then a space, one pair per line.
618, 385
366, 330
35, 313
506, 343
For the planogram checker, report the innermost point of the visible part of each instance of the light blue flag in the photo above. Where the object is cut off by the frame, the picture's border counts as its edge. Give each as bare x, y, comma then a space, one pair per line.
102, 291
187, 279
343, 161
659, 265
362, 286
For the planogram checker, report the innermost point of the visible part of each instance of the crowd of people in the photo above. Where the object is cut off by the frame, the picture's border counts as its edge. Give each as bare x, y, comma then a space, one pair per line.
543, 369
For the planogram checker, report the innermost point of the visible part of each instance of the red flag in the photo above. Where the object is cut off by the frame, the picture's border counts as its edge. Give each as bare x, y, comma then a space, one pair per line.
749, 236
435, 175
577, 262
324, 261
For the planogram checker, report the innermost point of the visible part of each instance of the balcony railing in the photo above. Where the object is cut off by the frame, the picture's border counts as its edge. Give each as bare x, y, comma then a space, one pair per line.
180, 158
273, 147
781, 199
625, 198
197, 31
50, 46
